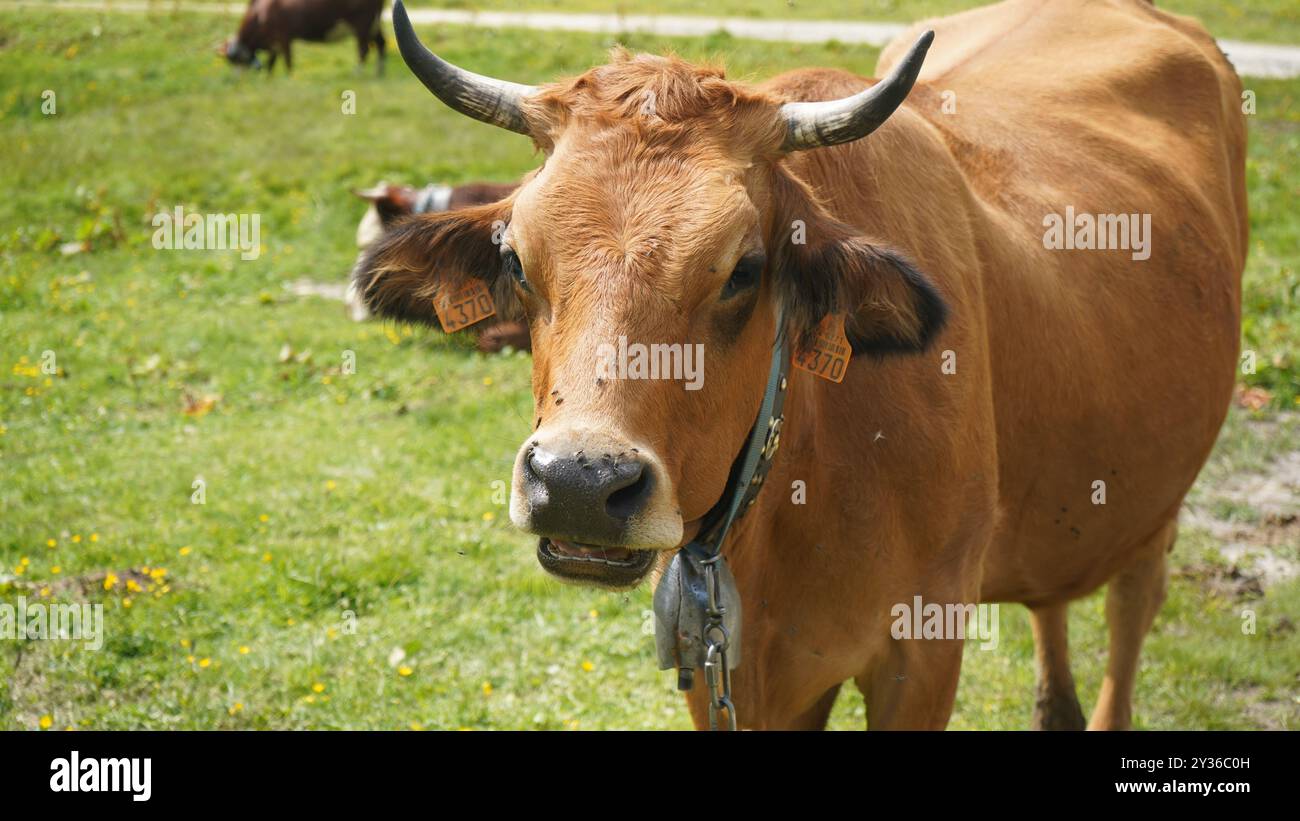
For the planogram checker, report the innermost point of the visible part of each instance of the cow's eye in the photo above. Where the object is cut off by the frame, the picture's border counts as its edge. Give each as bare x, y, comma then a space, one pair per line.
748, 271
514, 268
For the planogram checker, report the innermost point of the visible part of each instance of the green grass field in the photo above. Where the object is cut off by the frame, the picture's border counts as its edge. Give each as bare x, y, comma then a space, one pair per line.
353, 565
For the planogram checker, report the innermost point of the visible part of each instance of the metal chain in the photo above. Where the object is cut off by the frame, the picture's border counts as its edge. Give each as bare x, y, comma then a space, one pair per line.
717, 673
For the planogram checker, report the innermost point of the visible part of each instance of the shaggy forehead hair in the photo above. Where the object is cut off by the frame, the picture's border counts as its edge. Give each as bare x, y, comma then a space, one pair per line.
662, 94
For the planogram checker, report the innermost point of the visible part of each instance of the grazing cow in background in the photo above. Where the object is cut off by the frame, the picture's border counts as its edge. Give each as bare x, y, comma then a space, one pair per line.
1024, 409
273, 25
392, 203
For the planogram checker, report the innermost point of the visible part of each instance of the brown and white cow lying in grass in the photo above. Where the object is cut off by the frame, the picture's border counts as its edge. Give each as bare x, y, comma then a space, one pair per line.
1031, 448
389, 204
273, 25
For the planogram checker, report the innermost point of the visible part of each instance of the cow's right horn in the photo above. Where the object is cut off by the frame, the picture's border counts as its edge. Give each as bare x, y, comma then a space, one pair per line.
493, 101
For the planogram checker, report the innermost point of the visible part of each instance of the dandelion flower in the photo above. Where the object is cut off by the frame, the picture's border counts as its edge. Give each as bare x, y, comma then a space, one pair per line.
186, 550
205, 663
487, 688
46, 722
243, 649
404, 671
588, 666
76, 538
110, 581
318, 687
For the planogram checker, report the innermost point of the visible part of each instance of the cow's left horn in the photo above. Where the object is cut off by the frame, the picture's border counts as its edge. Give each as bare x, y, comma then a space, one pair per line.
812, 125
493, 101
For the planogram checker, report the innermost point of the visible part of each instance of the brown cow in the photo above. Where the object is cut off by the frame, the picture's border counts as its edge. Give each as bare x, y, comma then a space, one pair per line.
1032, 448
273, 25
391, 203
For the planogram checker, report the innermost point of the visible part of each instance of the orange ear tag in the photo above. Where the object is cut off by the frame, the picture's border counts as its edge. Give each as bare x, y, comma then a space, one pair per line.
470, 303
829, 355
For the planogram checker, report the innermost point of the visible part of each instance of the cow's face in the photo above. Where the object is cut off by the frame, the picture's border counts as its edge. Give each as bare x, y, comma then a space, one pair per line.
238, 54
640, 267
652, 255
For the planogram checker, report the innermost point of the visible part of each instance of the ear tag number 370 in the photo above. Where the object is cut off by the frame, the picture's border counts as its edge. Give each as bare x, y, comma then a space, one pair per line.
829, 355
462, 307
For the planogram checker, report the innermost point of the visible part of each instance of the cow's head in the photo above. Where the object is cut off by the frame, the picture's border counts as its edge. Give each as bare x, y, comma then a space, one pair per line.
663, 214
239, 54
388, 204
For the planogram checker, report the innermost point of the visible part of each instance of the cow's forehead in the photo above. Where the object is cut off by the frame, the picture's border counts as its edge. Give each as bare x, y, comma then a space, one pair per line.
633, 231
620, 193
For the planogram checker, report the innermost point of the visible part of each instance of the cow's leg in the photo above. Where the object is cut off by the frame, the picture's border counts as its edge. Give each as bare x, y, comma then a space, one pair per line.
288, 57
379, 47
270, 61
914, 686
1133, 598
815, 717
1057, 704
363, 44
756, 713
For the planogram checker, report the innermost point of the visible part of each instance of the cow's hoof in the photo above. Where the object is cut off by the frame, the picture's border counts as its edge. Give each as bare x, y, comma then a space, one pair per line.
1058, 711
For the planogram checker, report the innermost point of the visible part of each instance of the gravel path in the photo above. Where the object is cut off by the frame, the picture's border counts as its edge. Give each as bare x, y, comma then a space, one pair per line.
1251, 59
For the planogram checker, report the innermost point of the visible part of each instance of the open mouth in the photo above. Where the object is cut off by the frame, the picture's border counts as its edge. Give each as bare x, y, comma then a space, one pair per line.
614, 567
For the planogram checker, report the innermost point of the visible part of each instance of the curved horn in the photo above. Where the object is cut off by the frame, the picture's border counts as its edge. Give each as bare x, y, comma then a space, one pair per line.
492, 101
812, 125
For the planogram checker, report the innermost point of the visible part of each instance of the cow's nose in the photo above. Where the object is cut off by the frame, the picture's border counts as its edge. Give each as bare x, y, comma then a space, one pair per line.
585, 496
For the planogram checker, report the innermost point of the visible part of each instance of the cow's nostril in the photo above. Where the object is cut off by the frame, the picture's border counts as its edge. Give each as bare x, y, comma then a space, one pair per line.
630, 499
537, 463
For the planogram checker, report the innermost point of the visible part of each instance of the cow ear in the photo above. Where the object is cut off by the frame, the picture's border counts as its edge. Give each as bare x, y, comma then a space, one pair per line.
825, 267
890, 306
420, 256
